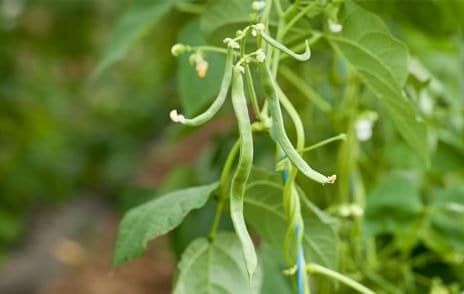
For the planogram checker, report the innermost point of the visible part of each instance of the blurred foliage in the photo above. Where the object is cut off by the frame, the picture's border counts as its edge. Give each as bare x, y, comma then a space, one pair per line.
60, 134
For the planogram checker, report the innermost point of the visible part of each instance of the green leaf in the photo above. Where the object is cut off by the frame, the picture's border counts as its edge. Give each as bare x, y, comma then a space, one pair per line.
223, 17
272, 264
380, 60
133, 25
155, 218
196, 93
215, 267
393, 206
445, 222
264, 212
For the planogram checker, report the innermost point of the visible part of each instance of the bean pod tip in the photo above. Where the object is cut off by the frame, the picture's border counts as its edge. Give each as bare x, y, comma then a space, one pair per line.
331, 179
176, 117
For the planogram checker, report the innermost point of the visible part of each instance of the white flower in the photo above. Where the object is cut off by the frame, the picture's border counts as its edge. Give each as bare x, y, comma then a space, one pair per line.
176, 117
344, 211
335, 27
260, 56
201, 65
356, 210
202, 68
257, 28
231, 43
364, 129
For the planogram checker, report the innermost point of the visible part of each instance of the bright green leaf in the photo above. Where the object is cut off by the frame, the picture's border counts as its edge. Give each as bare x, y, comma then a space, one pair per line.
264, 212
381, 62
133, 24
215, 267
155, 218
196, 93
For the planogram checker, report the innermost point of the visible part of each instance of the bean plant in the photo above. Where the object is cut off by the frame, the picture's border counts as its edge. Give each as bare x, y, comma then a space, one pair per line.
323, 217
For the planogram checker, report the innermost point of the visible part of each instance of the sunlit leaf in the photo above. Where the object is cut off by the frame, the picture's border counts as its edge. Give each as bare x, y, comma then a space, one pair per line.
155, 218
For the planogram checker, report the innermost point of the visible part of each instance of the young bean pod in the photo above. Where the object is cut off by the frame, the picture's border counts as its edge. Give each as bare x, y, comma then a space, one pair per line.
218, 102
242, 172
281, 137
301, 57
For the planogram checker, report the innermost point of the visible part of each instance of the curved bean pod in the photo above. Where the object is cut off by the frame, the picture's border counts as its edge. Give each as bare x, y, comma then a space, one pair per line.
301, 57
281, 137
218, 102
242, 172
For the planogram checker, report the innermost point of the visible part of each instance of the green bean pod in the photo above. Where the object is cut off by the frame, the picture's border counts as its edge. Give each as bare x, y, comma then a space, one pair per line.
301, 57
281, 137
218, 102
242, 172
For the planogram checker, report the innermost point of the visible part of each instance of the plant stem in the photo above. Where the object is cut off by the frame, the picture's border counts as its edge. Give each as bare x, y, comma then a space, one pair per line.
295, 117
297, 17
210, 49
313, 268
252, 93
341, 136
305, 89
190, 8
279, 9
217, 218
223, 187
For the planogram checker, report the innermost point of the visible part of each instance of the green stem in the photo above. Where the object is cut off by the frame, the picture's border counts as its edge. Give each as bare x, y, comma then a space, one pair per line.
190, 8
382, 282
313, 268
209, 49
305, 89
223, 186
295, 117
223, 183
217, 218
252, 93
278, 5
297, 17
341, 136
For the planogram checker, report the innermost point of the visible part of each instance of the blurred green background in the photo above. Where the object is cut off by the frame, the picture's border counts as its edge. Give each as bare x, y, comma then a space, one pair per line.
61, 135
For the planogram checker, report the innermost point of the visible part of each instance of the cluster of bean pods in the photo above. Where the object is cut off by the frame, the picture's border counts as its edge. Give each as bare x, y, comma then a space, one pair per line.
269, 118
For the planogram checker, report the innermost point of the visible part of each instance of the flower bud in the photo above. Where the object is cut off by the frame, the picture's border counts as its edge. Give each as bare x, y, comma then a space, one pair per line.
231, 43
178, 49
260, 56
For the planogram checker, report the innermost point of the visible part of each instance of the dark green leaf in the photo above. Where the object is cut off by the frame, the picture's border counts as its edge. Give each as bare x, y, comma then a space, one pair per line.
381, 62
133, 25
215, 267
155, 218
